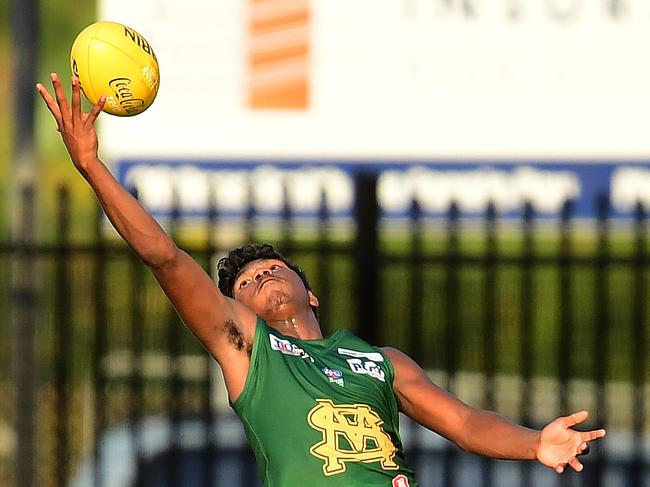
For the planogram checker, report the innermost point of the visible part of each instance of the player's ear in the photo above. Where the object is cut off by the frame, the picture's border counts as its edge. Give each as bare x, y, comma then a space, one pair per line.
313, 300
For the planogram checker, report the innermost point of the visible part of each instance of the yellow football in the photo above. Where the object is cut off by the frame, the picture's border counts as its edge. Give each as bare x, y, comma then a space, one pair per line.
112, 59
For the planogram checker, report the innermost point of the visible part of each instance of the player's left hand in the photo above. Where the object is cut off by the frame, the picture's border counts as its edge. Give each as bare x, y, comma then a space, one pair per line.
559, 445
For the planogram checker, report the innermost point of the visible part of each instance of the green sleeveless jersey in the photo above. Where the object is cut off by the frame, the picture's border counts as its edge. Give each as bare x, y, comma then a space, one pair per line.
322, 413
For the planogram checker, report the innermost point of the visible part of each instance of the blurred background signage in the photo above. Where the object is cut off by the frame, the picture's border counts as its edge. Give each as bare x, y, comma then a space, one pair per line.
494, 96
227, 186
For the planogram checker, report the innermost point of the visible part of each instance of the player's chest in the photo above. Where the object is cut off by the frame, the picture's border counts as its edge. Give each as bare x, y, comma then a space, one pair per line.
346, 365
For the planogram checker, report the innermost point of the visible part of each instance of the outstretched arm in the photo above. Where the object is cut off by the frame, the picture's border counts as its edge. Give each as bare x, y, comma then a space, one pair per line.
484, 432
210, 315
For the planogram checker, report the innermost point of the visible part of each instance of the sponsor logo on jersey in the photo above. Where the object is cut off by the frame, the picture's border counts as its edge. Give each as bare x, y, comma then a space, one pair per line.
351, 433
334, 375
401, 481
374, 356
367, 367
288, 348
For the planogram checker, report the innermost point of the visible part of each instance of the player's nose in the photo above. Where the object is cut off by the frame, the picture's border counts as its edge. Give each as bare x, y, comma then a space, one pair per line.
262, 273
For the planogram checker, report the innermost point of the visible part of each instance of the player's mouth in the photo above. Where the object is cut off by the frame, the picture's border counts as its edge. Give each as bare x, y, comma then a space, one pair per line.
265, 281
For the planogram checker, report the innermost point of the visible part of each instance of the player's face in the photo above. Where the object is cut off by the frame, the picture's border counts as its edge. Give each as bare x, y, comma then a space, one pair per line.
271, 289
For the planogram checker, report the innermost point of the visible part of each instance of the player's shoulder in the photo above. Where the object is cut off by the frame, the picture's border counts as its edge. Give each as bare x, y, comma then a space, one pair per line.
402, 363
393, 353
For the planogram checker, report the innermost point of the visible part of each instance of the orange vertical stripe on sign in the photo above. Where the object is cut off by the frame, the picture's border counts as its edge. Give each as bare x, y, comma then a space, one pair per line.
278, 55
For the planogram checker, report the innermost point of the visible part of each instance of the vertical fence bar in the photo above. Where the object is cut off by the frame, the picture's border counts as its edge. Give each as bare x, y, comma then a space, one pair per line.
490, 307
247, 473
136, 380
174, 398
62, 340
416, 302
23, 318
250, 233
208, 416
100, 348
490, 324
367, 256
527, 306
452, 301
25, 28
565, 308
416, 285
286, 225
249, 214
325, 257
601, 348
639, 344
565, 333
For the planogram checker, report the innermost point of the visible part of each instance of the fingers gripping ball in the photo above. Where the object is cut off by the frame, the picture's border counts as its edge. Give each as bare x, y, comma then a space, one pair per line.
112, 59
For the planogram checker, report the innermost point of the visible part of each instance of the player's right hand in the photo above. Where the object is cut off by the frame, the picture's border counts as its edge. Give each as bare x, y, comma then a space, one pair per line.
77, 128
560, 445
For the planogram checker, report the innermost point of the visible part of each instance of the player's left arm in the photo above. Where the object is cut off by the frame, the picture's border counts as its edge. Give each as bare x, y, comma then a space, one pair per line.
485, 432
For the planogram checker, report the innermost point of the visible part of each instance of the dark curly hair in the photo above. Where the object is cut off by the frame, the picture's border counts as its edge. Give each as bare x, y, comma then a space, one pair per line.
230, 266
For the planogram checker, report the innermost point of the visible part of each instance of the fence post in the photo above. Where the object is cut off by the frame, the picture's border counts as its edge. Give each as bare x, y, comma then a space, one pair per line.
62, 340
490, 307
175, 382
565, 333
490, 324
100, 347
416, 284
208, 412
25, 22
24, 305
527, 306
286, 216
639, 348
367, 253
601, 349
136, 380
452, 297
452, 266
324, 263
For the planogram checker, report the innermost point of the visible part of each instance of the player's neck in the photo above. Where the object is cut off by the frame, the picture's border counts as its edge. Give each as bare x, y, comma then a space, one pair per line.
303, 326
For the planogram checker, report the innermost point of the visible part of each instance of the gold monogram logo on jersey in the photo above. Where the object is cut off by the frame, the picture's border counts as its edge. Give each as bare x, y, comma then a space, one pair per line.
351, 433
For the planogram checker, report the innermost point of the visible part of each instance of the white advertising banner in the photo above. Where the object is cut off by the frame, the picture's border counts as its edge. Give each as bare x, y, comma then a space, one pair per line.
394, 79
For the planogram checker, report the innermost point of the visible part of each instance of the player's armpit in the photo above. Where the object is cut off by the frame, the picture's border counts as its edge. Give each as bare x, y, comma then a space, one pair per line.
222, 324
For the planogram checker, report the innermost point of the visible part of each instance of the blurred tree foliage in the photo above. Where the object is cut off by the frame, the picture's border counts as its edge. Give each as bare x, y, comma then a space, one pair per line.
59, 24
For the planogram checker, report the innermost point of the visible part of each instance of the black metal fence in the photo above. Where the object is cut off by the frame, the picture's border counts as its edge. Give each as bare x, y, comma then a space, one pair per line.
533, 318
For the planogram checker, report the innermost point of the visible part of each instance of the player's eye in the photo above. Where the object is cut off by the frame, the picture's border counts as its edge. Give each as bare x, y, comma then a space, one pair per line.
243, 283
275, 267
